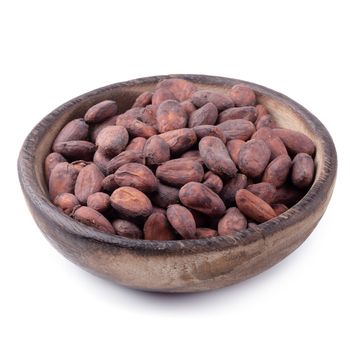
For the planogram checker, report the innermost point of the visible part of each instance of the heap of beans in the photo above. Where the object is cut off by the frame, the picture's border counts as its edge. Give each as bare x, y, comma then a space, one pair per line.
181, 163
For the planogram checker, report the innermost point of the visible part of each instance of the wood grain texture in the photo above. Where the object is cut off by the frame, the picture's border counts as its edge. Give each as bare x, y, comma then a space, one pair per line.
177, 266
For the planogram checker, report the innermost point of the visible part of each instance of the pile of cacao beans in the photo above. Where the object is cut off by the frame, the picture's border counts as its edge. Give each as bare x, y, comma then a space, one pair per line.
181, 163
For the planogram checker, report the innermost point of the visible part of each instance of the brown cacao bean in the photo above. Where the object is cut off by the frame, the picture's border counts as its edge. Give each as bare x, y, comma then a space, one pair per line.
253, 157
67, 202
216, 157
201, 198
242, 95
136, 145
231, 222
124, 158
234, 147
136, 175
131, 203
161, 95
209, 130
51, 161
157, 227
264, 190
177, 172
165, 195
277, 171
75, 130
213, 181
182, 89
206, 115
221, 101
295, 141
88, 181
156, 151
101, 111
75, 150
112, 140
228, 193
127, 229
254, 207
179, 140
247, 112
303, 170
91, 217
99, 201
62, 179
237, 129
181, 220
143, 100
171, 116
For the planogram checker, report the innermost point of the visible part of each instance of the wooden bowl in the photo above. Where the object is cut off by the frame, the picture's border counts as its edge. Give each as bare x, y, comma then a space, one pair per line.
177, 266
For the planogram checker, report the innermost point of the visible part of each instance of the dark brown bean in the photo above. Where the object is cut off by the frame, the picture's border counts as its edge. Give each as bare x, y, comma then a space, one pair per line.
74, 150
88, 181
96, 128
264, 190
221, 101
181, 220
51, 161
101, 111
188, 106
91, 217
109, 184
253, 158
67, 202
165, 195
124, 158
181, 88
136, 175
193, 155
171, 116
136, 145
213, 181
242, 95
143, 100
99, 201
130, 202
254, 207
247, 112
277, 171
112, 140
237, 129
135, 127
216, 157
206, 115
127, 229
234, 147
201, 198
161, 95
177, 172
231, 187
209, 130
75, 130
156, 151
303, 170
231, 222
179, 140
295, 141
62, 179
157, 227
102, 161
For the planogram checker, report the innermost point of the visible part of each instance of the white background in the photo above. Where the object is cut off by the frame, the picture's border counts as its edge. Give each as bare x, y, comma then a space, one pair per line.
54, 51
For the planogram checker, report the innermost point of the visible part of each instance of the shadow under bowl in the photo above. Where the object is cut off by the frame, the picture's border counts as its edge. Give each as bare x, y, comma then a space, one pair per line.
177, 266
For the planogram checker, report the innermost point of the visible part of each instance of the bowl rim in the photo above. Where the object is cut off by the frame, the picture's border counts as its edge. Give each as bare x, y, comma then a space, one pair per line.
312, 199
